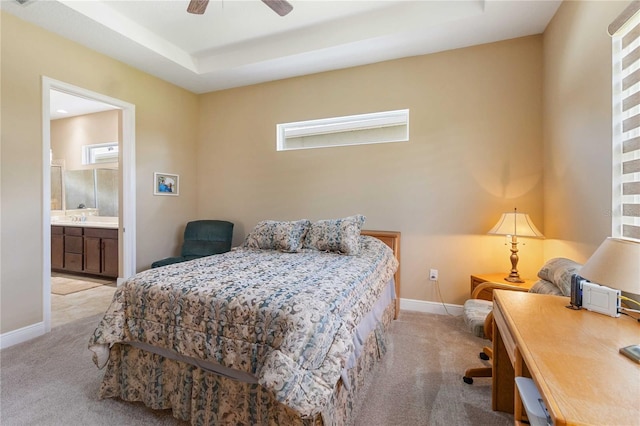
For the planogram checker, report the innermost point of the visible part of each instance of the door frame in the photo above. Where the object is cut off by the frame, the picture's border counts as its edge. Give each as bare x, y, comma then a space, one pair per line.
127, 216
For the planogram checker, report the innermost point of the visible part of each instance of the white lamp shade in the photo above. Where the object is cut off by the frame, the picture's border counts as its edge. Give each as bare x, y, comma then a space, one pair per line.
615, 264
518, 224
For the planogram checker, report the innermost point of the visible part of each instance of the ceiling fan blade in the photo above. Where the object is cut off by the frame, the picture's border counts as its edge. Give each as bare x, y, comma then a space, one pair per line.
197, 6
281, 7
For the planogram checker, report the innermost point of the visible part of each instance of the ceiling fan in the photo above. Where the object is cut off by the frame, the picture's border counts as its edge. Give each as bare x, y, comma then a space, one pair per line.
281, 7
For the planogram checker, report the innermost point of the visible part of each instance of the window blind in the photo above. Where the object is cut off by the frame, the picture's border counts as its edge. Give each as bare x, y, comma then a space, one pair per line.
625, 31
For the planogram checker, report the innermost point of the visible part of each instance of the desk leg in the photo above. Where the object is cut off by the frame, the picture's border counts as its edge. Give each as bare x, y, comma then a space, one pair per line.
503, 375
517, 402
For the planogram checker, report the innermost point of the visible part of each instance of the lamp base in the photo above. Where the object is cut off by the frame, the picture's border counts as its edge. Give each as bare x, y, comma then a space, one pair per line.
516, 279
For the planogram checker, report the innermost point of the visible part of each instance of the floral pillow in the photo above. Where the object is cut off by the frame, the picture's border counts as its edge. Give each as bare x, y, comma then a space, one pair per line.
277, 235
559, 271
546, 287
336, 235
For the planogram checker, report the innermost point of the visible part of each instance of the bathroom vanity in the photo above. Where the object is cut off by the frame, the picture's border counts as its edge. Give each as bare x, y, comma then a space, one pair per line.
85, 247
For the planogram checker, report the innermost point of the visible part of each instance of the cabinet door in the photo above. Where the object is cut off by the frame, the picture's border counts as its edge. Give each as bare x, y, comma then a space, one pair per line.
110, 257
57, 251
92, 255
73, 262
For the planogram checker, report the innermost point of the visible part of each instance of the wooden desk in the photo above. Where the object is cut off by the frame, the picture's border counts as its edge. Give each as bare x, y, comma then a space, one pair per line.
572, 357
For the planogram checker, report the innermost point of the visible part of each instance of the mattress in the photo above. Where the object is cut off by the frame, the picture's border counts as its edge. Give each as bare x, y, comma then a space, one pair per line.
290, 322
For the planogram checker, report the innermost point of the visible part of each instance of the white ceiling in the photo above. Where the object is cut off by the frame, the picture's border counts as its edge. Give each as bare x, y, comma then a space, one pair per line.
63, 105
242, 42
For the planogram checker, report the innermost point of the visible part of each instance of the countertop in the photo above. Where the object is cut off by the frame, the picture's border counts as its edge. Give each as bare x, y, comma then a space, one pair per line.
88, 222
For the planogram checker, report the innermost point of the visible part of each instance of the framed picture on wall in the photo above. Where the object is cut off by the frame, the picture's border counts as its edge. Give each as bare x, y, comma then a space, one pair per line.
165, 184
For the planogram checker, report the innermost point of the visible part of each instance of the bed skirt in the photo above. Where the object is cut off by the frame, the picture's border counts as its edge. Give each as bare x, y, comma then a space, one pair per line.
206, 398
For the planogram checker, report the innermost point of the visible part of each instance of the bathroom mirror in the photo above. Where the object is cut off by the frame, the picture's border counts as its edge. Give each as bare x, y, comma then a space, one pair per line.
106, 192
89, 188
56, 187
80, 189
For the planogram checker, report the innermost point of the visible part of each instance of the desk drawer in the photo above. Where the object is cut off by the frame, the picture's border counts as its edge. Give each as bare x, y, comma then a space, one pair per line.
507, 338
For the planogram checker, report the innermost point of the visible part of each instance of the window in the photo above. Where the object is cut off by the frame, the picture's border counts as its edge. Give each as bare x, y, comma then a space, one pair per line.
100, 153
378, 127
626, 123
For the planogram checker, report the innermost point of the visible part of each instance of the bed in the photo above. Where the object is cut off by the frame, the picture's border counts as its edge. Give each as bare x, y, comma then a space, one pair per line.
282, 330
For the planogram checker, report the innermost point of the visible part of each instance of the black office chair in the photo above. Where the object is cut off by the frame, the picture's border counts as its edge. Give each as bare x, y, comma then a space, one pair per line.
202, 238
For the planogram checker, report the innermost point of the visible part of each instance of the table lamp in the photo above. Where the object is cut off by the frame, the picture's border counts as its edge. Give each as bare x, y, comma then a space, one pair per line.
615, 264
516, 225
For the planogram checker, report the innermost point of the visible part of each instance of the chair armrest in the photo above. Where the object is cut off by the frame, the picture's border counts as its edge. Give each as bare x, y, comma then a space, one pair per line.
485, 290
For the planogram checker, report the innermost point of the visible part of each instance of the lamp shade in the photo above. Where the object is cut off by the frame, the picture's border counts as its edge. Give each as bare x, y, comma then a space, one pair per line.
615, 264
518, 224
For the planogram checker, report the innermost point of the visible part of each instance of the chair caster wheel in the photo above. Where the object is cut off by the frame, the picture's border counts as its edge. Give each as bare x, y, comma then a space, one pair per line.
484, 356
468, 380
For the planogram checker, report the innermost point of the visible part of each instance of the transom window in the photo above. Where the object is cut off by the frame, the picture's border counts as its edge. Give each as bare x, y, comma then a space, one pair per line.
378, 127
100, 153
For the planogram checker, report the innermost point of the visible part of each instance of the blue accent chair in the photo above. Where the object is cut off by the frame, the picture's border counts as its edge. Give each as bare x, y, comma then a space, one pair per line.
202, 238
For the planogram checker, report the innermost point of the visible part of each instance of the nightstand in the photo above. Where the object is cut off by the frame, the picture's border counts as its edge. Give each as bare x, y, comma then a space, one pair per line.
477, 279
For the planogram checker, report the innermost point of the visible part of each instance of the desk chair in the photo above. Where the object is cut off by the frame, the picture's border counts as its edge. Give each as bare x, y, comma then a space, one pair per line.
555, 278
478, 316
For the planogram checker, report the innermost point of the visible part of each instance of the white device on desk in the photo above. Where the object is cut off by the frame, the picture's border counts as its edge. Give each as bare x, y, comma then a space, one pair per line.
537, 412
594, 297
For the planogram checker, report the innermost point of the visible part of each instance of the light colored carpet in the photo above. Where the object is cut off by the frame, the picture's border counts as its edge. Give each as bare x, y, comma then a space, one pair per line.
63, 286
419, 381
51, 380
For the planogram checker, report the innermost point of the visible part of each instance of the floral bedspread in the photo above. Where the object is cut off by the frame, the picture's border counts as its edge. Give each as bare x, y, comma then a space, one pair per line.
286, 318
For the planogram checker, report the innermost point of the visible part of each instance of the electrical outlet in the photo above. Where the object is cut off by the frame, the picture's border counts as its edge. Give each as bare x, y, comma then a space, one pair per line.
433, 275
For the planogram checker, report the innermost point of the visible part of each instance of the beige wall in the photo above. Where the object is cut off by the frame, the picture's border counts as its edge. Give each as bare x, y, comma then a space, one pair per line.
69, 135
578, 128
478, 117
475, 151
166, 127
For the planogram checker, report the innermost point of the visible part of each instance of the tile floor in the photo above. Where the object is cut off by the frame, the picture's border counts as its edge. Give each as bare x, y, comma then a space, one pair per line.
82, 304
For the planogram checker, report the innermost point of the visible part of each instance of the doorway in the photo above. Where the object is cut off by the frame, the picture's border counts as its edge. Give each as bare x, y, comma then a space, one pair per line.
126, 189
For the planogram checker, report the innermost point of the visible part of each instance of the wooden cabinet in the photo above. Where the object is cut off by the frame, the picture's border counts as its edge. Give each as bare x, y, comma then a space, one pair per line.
73, 249
110, 256
57, 247
101, 251
92, 255
83, 249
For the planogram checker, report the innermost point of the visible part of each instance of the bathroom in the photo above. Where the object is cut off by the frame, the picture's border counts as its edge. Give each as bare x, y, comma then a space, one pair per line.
85, 186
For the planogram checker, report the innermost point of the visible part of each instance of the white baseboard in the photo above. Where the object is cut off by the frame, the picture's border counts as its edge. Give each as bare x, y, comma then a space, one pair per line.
20, 335
430, 307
